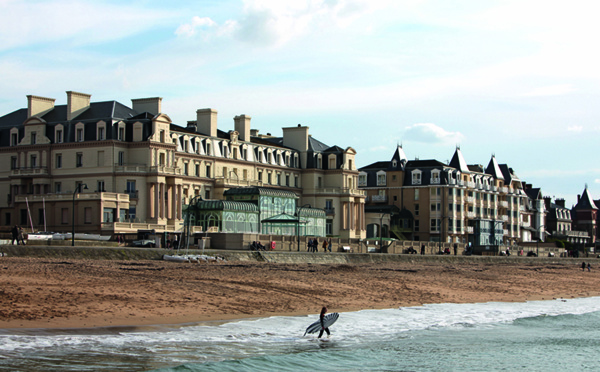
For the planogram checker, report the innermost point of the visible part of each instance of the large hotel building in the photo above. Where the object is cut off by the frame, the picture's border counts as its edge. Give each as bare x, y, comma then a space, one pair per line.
117, 169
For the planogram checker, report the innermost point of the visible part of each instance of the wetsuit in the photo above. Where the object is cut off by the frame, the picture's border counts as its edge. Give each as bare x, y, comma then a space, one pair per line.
322, 319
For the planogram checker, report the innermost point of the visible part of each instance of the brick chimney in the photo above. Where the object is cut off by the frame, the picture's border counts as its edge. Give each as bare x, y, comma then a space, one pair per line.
37, 106
77, 103
560, 202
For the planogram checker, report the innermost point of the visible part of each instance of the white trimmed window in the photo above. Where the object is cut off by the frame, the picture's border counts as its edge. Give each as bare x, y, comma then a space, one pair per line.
435, 176
362, 179
381, 178
416, 177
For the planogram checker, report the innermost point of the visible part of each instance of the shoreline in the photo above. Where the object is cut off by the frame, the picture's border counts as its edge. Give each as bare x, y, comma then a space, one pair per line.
47, 293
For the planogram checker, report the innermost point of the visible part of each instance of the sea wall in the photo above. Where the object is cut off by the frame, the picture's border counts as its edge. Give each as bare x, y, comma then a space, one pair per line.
122, 253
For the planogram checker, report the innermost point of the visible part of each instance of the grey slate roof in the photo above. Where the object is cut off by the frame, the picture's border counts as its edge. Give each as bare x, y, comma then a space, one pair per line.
585, 202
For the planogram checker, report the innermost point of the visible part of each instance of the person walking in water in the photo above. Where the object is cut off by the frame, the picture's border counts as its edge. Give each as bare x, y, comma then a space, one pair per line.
322, 319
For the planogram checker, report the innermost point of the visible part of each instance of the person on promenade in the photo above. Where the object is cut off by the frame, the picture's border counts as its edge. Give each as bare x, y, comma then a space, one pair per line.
322, 319
455, 249
589, 267
329, 244
21, 236
583, 266
325, 245
423, 249
15, 235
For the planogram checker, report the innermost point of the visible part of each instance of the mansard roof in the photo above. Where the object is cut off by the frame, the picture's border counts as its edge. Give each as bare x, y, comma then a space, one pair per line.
380, 165
431, 163
534, 193
585, 202
96, 111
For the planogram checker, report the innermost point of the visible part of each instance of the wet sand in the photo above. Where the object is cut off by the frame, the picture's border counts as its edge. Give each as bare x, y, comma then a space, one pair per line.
76, 293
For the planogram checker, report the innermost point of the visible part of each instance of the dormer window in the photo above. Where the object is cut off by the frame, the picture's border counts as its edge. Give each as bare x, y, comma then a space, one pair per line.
33, 138
14, 139
416, 177
381, 178
435, 177
394, 163
362, 179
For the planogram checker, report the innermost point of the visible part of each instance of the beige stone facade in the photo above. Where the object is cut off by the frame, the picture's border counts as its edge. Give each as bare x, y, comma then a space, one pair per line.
140, 169
428, 200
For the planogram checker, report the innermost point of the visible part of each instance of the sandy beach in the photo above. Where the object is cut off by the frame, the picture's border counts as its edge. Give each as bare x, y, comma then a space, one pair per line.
58, 293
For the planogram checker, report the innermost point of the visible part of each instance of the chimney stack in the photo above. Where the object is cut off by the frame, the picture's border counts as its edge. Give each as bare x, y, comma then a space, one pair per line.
37, 106
206, 122
151, 105
77, 103
242, 126
560, 202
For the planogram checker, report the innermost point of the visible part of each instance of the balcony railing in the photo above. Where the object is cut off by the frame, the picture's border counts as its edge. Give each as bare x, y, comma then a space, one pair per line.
379, 198
32, 171
133, 194
329, 211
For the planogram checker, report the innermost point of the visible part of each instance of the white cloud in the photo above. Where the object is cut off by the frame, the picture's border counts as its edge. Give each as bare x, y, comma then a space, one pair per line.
276, 23
189, 29
597, 180
431, 133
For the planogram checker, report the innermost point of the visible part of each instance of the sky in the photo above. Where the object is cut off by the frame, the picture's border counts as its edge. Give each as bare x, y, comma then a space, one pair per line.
515, 79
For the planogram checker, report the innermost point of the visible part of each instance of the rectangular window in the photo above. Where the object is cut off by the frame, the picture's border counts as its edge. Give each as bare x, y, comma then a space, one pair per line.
416, 178
436, 207
269, 178
57, 187
14, 139
416, 225
185, 168
287, 179
33, 138
417, 194
435, 224
162, 136
381, 179
161, 159
7, 219
80, 135
108, 215
100, 133
259, 176
279, 179
33, 161
208, 170
207, 194
197, 170
130, 186
58, 160
121, 158
329, 227
362, 180
416, 209
59, 136
13, 162
79, 160
121, 134
295, 181
101, 186
87, 215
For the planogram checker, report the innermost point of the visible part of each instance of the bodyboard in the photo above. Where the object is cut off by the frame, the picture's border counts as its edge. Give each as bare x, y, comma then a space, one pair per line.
327, 321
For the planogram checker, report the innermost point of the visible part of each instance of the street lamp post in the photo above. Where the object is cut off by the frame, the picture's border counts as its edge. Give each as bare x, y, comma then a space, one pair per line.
298, 224
77, 190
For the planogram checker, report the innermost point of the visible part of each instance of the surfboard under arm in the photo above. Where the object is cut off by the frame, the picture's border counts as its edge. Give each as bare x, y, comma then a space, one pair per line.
327, 321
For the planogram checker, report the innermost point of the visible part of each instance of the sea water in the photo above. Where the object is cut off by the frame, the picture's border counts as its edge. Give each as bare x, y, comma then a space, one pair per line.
556, 335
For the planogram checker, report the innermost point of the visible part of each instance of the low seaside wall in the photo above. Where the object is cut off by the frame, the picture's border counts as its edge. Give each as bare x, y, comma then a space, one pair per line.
122, 253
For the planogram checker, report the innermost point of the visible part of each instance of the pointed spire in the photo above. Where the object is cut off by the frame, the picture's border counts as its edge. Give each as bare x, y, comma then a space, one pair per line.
586, 201
458, 161
493, 169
